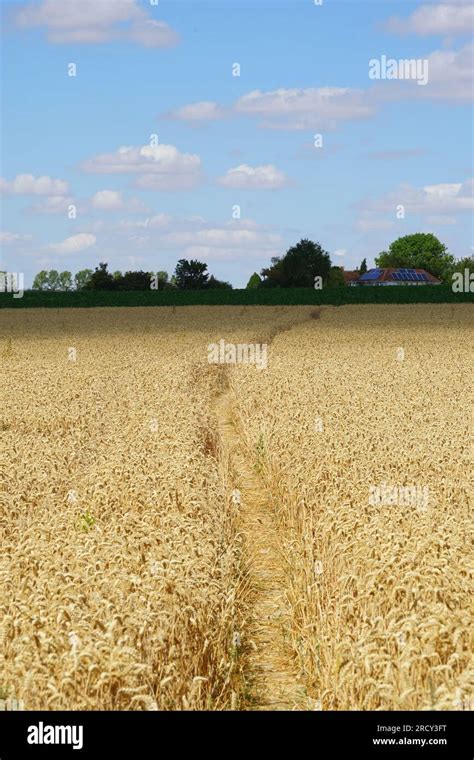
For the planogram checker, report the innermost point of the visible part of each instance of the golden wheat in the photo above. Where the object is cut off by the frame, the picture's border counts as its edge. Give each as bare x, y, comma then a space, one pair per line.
380, 594
120, 556
125, 567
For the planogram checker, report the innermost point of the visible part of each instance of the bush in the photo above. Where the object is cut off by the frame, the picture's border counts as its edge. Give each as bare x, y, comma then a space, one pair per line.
336, 296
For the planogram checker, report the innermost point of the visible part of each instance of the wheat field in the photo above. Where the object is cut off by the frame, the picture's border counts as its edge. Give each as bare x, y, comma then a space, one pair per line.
132, 578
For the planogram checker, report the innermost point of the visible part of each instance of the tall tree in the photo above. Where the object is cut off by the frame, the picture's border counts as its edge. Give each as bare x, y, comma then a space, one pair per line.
41, 281
53, 280
191, 275
134, 281
255, 281
65, 281
298, 267
363, 266
82, 278
101, 279
422, 250
213, 283
162, 279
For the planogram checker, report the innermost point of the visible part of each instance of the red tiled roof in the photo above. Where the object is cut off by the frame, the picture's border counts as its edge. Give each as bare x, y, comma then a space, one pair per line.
350, 276
387, 275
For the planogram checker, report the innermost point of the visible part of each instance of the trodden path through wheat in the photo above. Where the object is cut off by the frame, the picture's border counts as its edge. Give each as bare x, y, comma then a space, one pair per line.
273, 679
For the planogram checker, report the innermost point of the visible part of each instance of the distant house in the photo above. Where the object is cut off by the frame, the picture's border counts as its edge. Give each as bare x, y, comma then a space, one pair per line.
393, 276
350, 277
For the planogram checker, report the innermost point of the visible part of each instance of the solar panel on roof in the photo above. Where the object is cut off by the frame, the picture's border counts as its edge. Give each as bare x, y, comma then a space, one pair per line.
409, 275
372, 274
404, 274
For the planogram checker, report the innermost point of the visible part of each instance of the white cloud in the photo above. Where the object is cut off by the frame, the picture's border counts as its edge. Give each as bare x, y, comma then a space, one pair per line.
294, 108
54, 204
234, 240
160, 167
153, 34
204, 110
27, 184
451, 75
450, 79
107, 200
266, 177
305, 108
441, 202
194, 237
452, 197
103, 200
340, 253
159, 221
446, 18
443, 191
96, 21
218, 236
74, 244
8, 238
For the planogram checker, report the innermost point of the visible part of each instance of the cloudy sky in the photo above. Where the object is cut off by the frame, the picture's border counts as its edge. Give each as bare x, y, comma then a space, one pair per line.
140, 132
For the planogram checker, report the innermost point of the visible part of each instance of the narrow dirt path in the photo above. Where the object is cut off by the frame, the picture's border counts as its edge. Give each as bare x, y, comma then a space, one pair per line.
272, 676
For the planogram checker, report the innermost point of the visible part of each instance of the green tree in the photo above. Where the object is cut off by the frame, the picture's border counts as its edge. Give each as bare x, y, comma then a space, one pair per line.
134, 281
422, 250
54, 282
82, 278
254, 282
214, 283
162, 279
461, 264
335, 277
298, 267
363, 266
159, 280
101, 279
117, 275
41, 281
191, 275
65, 281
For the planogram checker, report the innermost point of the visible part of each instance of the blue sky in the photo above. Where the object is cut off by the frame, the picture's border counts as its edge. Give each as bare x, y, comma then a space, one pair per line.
84, 142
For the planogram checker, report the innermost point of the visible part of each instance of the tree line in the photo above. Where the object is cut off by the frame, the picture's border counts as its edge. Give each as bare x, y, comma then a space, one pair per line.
187, 275
298, 268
